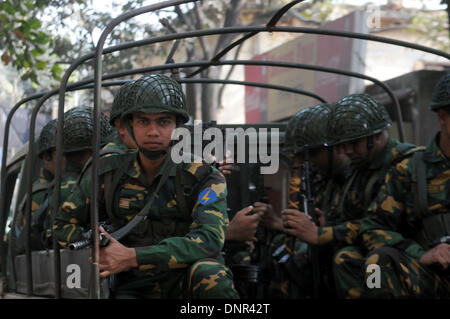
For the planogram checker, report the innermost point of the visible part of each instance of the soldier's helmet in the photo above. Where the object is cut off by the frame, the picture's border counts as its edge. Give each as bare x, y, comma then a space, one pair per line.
441, 93
120, 102
47, 138
356, 116
78, 129
156, 93
311, 128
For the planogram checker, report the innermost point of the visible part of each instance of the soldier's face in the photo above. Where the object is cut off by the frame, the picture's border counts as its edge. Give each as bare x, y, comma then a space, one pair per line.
320, 158
50, 162
355, 150
153, 131
124, 135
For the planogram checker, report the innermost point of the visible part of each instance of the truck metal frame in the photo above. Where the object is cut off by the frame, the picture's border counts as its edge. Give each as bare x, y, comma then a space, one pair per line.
22, 163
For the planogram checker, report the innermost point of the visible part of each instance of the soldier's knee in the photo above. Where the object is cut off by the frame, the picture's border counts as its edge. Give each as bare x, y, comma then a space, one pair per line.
208, 278
382, 256
346, 254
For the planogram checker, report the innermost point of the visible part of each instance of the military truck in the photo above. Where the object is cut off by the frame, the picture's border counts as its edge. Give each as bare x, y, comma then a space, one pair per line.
63, 273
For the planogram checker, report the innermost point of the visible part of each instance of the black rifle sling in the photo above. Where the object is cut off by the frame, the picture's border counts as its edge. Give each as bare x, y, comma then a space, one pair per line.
102, 152
111, 180
179, 192
142, 215
346, 189
420, 183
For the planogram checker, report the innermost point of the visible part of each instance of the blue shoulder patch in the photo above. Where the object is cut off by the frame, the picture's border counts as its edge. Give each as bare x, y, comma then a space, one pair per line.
207, 196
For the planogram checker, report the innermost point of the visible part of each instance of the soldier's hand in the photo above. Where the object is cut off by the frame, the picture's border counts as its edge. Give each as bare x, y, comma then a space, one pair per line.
300, 225
439, 254
224, 166
115, 257
320, 216
243, 226
269, 217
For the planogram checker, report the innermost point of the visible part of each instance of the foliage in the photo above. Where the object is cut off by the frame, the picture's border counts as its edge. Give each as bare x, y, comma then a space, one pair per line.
24, 42
432, 26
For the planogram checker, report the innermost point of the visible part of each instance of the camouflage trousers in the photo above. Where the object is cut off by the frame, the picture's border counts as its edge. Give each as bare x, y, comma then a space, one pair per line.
205, 279
290, 269
395, 275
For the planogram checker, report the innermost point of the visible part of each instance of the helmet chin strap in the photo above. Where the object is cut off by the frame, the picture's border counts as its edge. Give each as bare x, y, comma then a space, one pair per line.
151, 155
330, 161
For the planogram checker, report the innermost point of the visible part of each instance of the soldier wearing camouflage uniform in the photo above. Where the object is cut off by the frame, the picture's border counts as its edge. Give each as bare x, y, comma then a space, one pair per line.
309, 133
358, 126
40, 191
409, 222
175, 251
78, 134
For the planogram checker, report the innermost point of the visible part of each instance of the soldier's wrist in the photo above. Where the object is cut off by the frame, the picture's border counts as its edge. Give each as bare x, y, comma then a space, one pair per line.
325, 234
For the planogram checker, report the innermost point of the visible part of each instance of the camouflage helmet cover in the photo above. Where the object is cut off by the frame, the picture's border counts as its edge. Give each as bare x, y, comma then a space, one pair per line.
120, 101
356, 116
441, 93
78, 129
311, 127
47, 138
156, 93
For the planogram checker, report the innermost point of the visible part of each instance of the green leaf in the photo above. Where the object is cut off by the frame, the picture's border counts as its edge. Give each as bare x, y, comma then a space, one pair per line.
40, 65
56, 69
37, 52
35, 23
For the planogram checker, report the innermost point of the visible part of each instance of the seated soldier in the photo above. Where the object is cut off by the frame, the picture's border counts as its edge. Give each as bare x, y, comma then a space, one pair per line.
78, 132
358, 128
408, 229
174, 251
40, 192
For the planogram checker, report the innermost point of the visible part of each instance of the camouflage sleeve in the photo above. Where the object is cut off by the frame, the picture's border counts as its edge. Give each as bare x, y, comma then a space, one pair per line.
206, 233
73, 214
388, 213
345, 232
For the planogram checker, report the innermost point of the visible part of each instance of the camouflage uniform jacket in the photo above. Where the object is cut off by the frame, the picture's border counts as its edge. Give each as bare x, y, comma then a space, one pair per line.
40, 191
357, 199
330, 193
68, 181
393, 213
160, 244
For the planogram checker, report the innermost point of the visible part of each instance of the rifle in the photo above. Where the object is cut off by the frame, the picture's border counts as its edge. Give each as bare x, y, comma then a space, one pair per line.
306, 197
87, 237
258, 270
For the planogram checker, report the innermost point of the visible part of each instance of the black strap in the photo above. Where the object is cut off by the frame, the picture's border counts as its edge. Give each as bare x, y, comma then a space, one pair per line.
346, 189
111, 181
142, 215
420, 179
179, 192
101, 153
